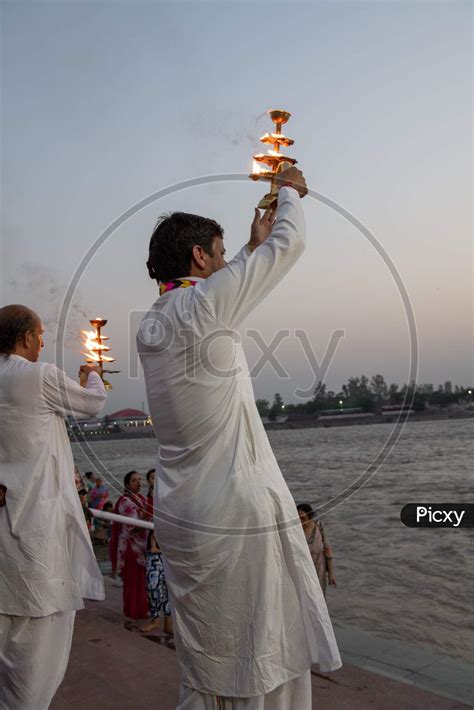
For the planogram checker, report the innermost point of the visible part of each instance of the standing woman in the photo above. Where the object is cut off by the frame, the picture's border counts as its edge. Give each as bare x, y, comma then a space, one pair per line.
128, 548
319, 546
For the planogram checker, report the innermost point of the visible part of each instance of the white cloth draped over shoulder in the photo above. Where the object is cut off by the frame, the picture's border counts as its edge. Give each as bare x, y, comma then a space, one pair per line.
248, 609
47, 564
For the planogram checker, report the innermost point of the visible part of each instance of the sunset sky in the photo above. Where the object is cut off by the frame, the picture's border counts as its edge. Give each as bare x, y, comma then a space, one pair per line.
106, 103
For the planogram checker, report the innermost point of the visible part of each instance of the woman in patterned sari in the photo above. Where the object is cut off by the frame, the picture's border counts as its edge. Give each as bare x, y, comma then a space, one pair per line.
128, 548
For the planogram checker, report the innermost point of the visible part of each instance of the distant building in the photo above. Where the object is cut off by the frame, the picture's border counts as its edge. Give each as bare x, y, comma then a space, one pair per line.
89, 426
123, 420
126, 418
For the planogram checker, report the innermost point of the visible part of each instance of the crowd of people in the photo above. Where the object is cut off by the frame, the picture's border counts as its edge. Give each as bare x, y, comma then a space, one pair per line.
134, 552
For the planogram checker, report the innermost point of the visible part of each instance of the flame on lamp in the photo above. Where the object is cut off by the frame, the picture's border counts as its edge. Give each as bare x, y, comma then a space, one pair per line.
94, 349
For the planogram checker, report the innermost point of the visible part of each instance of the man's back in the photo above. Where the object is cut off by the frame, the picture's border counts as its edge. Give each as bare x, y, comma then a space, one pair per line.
22, 411
47, 564
238, 570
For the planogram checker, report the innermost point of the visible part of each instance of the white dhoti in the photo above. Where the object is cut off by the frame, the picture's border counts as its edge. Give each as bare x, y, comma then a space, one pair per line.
34, 654
293, 695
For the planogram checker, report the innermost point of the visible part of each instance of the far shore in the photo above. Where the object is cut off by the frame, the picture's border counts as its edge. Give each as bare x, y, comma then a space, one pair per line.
292, 422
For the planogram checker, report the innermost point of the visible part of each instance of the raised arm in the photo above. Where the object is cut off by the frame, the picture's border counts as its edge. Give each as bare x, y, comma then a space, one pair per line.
65, 396
260, 230
234, 291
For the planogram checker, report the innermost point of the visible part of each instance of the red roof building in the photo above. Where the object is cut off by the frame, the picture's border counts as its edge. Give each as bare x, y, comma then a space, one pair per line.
128, 414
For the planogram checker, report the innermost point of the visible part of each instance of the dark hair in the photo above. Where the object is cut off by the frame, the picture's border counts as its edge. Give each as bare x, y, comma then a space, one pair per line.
82, 492
148, 474
108, 504
88, 474
127, 478
306, 508
15, 322
172, 242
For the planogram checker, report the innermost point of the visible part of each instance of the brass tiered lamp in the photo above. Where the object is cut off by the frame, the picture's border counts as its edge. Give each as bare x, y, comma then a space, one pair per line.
275, 160
96, 349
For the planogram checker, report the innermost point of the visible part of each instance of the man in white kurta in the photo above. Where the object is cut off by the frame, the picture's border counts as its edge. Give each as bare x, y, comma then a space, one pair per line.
249, 614
47, 565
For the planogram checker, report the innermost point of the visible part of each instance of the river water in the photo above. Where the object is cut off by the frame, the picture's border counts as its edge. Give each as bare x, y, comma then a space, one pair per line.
409, 584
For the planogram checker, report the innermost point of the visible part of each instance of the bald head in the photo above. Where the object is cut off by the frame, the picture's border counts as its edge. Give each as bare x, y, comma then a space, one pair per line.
21, 332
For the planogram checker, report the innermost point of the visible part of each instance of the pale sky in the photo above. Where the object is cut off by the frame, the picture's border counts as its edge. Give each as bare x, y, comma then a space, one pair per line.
105, 103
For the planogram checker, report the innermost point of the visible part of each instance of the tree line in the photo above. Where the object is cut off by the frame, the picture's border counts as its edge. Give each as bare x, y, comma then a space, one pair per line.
369, 395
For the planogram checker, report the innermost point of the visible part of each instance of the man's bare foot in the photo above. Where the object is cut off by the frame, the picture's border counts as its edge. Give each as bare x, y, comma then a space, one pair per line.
152, 625
168, 625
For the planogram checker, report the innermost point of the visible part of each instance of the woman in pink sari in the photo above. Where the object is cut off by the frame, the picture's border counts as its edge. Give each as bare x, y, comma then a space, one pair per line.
128, 548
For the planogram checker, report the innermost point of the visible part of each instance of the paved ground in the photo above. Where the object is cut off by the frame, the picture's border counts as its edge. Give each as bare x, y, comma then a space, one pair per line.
111, 667
409, 664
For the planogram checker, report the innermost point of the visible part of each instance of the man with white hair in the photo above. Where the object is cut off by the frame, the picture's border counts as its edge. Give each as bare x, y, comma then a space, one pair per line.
47, 565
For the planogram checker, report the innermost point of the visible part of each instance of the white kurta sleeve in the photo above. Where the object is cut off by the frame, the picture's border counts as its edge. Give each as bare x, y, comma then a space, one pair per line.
65, 396
244, 253
234, 291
